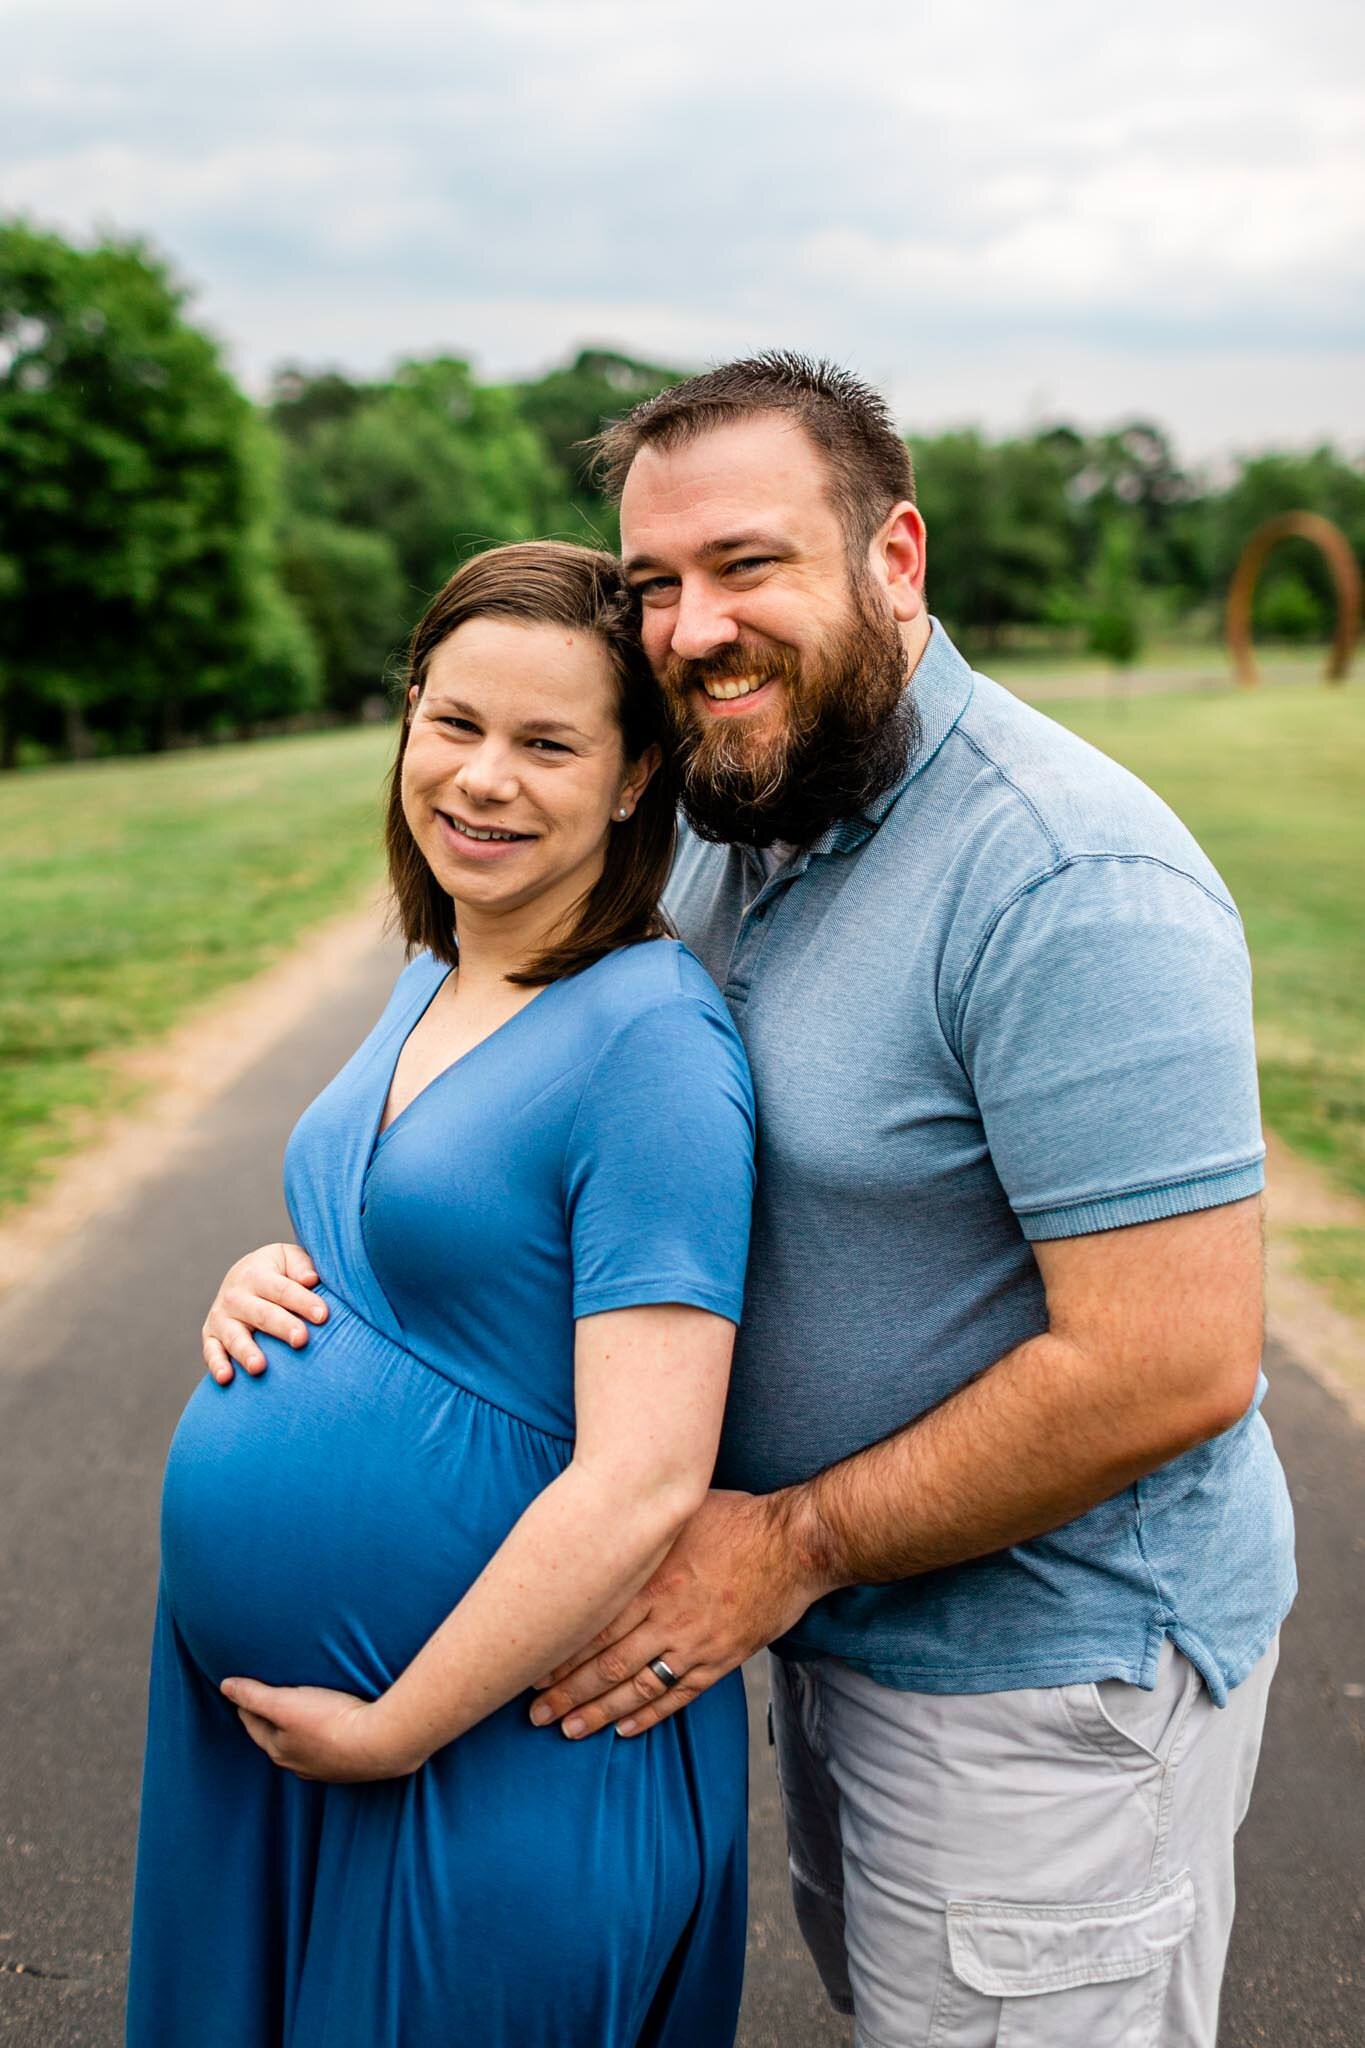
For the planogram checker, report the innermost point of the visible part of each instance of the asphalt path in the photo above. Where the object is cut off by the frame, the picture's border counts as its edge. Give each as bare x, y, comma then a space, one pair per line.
97, 1355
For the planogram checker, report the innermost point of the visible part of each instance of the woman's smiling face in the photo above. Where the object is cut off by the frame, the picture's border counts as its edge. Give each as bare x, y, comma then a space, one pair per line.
514, 771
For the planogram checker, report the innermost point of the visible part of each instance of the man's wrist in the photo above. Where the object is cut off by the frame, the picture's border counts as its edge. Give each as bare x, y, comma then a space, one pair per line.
808, 1542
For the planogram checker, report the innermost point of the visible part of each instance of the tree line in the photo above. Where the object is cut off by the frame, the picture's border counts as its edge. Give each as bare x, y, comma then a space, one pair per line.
179, 562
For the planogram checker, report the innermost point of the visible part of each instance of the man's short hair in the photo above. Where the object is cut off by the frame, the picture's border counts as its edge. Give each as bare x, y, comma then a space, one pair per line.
850, 423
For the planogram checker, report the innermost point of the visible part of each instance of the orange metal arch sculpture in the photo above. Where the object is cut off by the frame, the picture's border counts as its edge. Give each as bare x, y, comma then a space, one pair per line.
1345, 574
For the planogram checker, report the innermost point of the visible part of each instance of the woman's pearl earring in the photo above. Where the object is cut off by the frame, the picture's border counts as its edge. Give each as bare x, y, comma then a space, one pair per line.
623, 812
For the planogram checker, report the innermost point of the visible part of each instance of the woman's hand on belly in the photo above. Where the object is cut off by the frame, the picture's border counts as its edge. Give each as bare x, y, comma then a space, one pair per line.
270, 1290
317, 1733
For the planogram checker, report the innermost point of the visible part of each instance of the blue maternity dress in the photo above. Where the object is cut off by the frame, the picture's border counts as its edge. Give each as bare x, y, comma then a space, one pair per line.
318, 1524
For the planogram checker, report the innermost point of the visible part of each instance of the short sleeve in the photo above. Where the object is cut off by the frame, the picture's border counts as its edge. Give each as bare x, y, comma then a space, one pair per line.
660, 1165
1106, 1029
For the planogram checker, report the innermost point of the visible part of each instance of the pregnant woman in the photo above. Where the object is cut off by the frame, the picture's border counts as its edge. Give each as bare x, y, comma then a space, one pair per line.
527, 1197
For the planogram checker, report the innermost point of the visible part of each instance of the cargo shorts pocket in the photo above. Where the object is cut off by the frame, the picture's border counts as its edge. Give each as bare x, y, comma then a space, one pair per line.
1093, 1975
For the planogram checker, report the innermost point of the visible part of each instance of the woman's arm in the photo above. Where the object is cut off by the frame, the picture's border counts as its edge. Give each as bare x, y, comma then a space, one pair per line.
650, 1388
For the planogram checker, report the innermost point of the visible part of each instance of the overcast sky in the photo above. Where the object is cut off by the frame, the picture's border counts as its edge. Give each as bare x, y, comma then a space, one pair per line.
1003, 213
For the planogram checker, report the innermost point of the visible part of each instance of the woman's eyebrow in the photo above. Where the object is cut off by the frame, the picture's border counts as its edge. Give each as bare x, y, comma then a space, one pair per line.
551, 725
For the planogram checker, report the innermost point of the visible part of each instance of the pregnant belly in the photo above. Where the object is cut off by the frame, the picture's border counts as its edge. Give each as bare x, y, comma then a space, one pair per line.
319, 1523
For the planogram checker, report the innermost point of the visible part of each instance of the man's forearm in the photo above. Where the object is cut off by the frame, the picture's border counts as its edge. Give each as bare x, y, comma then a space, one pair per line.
1036, 1441
1153, 1345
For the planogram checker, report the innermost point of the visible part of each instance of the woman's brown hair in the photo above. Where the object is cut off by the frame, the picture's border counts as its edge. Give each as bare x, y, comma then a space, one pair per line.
551, 583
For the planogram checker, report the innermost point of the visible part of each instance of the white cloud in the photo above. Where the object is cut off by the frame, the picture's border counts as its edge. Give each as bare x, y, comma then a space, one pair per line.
130, 182
937, 192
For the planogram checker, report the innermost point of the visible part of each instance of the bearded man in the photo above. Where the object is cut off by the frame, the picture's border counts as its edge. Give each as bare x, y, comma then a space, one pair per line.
994, 1483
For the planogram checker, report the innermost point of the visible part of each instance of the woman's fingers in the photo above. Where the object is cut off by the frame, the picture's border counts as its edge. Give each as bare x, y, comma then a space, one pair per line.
261, 1731
252, 1695
298, 1266
289, 1294
264, 1734
261, 1299
229, 1321
223, 1340
233, 1340
238, 1341
237, 1318
268, 1737
217, 1361
243, 1347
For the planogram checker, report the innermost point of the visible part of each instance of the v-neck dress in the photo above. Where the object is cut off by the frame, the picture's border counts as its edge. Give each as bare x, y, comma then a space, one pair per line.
319, 1523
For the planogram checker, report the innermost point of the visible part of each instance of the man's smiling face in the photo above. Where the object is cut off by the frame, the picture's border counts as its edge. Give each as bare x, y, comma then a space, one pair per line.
784, 665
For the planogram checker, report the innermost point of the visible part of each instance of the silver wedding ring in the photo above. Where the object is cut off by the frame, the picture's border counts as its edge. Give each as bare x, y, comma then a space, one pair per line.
662, 1673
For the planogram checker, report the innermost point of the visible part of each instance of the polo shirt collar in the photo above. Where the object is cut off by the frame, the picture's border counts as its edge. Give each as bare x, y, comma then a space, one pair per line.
942, 687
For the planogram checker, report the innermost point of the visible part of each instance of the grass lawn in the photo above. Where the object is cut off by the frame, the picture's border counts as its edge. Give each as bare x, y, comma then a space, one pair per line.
1272, 784
1178, 665
133, 889
1334, 1258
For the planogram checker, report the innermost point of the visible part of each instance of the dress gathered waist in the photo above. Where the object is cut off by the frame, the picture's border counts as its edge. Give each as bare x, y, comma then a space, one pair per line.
363, 1331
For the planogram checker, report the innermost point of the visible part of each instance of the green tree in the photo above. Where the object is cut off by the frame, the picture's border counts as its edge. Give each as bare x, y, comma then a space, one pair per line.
302, 399
1112, 619
568, 406
438, 465
390, 485
1134, 476
137, 512
350, 588
1001, 543
1286, 607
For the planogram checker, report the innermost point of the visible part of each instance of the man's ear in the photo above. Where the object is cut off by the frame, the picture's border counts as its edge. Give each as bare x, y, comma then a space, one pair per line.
897, 559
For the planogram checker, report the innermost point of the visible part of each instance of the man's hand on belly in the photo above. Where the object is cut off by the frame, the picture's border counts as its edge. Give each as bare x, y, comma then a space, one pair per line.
734, 1580
317, 1733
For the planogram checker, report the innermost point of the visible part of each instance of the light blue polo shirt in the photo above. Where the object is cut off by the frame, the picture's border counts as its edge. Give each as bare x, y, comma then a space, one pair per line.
1010, 1002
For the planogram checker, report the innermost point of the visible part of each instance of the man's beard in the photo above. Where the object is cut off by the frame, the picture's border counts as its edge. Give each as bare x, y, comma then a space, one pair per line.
847, 731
